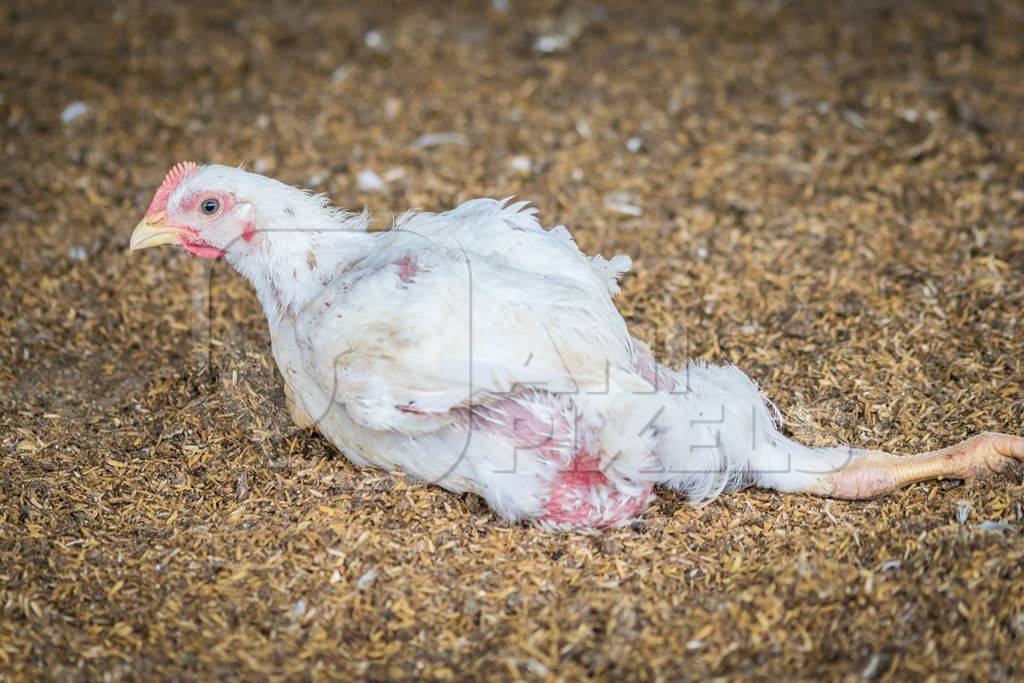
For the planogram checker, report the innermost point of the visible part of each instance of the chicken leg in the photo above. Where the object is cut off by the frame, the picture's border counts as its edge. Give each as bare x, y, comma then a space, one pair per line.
749, 445
876, 473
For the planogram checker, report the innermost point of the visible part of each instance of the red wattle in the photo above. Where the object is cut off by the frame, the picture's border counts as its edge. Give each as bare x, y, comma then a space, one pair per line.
201, 249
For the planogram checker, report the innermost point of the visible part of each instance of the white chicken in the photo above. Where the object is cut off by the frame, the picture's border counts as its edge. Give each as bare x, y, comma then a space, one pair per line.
478, 351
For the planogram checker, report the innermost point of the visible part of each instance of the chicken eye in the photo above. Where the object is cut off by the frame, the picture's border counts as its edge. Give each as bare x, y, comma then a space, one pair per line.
209, 206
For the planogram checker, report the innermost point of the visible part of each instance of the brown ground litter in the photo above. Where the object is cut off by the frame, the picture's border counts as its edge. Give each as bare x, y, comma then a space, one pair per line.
828, 195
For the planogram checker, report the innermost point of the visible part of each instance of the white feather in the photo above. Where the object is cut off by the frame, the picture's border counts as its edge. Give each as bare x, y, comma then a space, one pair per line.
398, 343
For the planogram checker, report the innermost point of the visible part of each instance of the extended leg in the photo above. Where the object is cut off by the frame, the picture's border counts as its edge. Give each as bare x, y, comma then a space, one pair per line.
716, 434
876, 474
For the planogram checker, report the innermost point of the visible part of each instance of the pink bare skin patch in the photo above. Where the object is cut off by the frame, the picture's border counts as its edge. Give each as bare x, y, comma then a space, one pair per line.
249, 231
407, 268
580, 495
191, 203
410, 410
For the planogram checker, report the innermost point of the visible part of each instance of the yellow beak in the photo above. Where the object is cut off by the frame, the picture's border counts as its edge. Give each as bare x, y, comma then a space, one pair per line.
151, 232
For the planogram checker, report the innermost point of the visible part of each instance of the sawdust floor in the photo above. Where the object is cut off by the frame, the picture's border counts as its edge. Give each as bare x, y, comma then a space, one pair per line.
828, 195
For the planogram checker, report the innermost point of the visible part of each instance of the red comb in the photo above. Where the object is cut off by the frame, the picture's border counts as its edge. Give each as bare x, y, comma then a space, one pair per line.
174, 177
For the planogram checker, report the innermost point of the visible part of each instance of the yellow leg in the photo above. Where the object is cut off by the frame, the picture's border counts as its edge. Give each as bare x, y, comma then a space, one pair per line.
877, 474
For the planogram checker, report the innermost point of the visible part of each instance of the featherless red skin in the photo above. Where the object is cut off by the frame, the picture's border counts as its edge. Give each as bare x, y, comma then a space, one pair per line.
568, 504
579, 483
407, 268
249, 232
